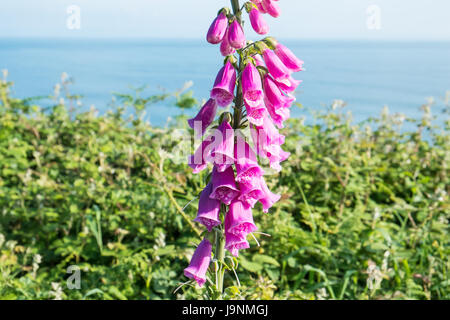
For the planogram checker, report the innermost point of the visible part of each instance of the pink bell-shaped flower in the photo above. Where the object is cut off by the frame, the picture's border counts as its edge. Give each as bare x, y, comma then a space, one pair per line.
247, 167
224, 186
250, 192
288, 85
222, 149
277, 103
274, 95
252, 86
225, 48
288, 58
217, 29
200, 262
255, 115
257, 21
278, 115
204, 118
223, 90
260, 6
268, 143
236, 36
275, 66
269, 198
208, 209
239, 220
269, 134
276, 155
271, 8
235, 243
198, 161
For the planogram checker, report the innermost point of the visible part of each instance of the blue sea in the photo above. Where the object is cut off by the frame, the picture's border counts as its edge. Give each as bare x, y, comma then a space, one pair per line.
367, 75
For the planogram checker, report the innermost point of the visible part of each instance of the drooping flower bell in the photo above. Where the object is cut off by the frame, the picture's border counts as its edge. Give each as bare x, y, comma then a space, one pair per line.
257, 21
223, 90
277, 103
253, 94
208, 209
275, 66
289, 85
199, 263
288, 58
255, 115
239, 220
247, 167
198, 161
250, 192
236, 36
252, 85
204, 118
225, 48
235, 243
268, 143
269, 198
276, 155
217, 29
271, 8
278, 115
222, 148
224, 186
274, 95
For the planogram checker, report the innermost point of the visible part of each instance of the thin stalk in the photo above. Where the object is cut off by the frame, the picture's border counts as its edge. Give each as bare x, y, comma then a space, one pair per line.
236, 10
237, 117
239, 101
180, 210
220, 256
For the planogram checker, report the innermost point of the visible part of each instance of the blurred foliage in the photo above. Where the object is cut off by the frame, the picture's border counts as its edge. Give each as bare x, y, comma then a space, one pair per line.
364, 212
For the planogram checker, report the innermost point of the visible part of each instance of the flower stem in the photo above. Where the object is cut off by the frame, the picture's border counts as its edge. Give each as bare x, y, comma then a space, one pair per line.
237, 117
236, 10
239, 101
220, 256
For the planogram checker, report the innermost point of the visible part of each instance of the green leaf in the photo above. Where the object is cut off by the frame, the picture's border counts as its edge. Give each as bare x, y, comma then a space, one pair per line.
250, 266
264, 259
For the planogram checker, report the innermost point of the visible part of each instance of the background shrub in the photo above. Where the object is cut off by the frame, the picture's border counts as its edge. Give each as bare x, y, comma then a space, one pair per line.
364, 212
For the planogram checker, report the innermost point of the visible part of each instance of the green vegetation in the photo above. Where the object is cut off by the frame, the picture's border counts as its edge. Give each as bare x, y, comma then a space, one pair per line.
364, 212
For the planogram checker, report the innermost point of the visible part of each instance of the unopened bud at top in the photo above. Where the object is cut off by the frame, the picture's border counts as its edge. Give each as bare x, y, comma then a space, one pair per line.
218, 28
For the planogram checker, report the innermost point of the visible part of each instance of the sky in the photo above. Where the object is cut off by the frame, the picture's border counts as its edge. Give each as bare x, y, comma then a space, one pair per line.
300, 19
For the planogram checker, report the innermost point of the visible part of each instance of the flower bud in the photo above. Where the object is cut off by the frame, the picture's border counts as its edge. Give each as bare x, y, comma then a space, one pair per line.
225, 48
224, 85
288, 58
204, 117
271, 8
236, 36
275, 66
257, 21
217, 29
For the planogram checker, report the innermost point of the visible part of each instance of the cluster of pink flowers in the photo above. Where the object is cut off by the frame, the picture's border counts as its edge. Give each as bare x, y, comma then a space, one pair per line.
237, 182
